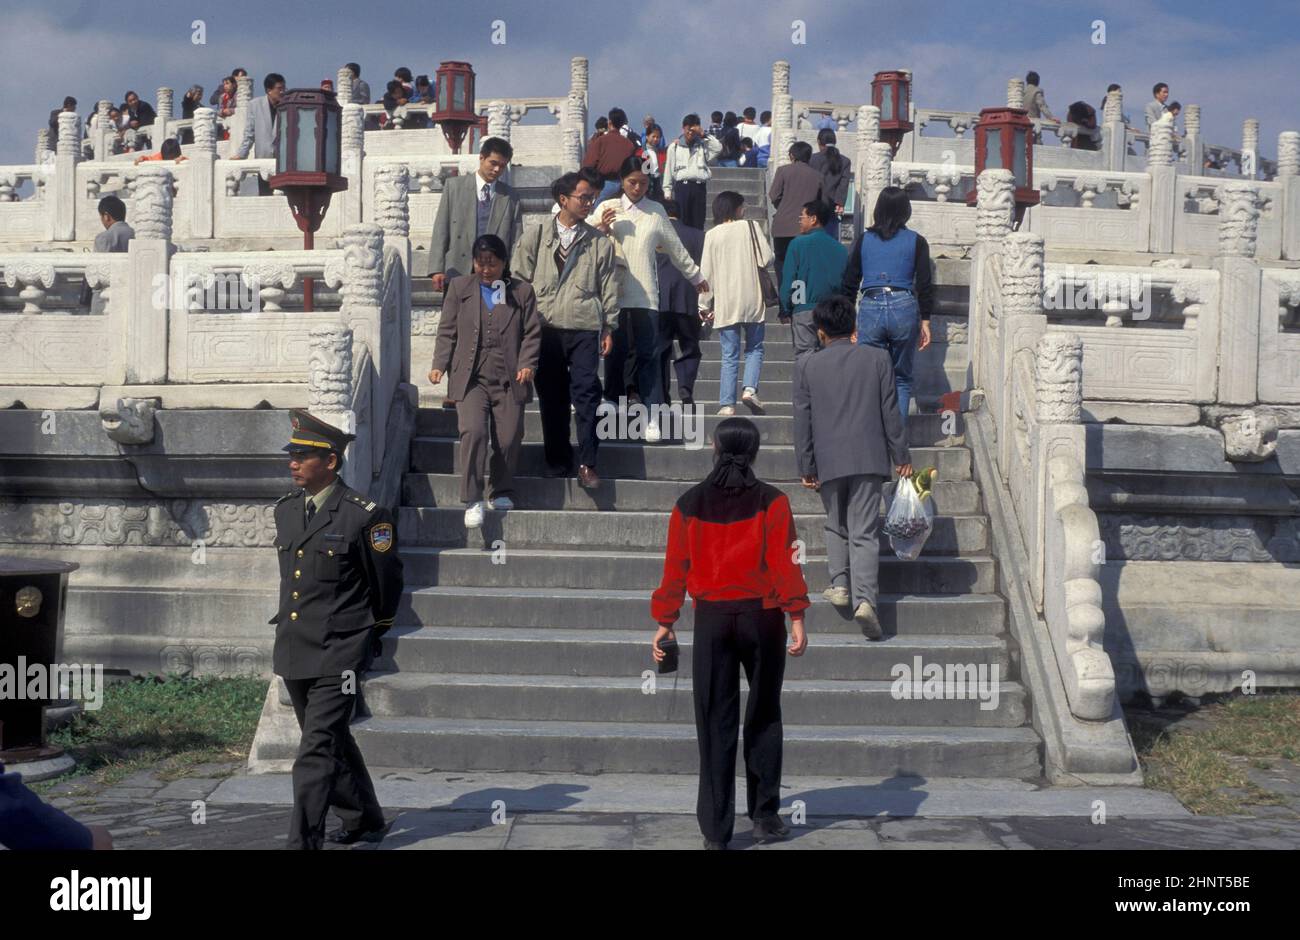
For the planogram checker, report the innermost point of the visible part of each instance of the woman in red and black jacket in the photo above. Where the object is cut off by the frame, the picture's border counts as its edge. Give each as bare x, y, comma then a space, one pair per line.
731, 544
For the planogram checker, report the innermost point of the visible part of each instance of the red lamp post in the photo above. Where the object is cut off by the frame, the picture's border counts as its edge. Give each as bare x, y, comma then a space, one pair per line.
1004, 139
308, 150
455, 107
891, 92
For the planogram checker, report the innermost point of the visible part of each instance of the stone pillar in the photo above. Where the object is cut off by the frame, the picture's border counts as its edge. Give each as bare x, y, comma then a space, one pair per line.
1058, 368
165, 114
202, 160
994, 211
392, 212
578, 75
572, 149
498, 120
145, 322
1021, 326
1250, 148
362, 291
1239, 294
330, 395
1114, 134
876, 171
575, 116
343, 86
1164, 185
1015, 93
353, 139
243, 102
63, 214
868, 133
782, 132
1057, 402
780, 84
42, 146
1288, 175
105, 133
392, 188
1193, 143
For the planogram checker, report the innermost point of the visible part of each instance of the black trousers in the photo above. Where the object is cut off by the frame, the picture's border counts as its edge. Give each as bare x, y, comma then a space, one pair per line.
329, 770
779, 247
691, 197
632, 363
730, 636
685, 328
568, 374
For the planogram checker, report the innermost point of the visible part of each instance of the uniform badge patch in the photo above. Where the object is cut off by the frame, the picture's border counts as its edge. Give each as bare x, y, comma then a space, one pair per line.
381, 537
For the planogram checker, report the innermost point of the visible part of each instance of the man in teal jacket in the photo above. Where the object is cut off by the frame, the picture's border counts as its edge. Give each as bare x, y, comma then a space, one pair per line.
814, 267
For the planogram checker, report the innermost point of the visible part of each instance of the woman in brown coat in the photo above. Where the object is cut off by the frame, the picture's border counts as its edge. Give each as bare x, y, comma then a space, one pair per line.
490, 336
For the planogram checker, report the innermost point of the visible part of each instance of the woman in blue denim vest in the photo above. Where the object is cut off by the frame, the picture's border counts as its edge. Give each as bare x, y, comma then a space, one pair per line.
890, 264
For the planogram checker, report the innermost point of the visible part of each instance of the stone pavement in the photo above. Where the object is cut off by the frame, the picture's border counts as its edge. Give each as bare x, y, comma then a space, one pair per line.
625, 811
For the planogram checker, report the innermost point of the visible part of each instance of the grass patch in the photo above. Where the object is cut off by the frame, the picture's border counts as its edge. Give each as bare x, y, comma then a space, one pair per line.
166, 725
1205, 765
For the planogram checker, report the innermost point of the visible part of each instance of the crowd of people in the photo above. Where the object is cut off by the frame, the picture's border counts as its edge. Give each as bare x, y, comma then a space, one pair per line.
1088, 130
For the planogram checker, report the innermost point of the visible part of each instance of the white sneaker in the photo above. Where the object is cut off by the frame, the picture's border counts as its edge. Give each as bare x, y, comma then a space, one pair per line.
653, 435
474, 515
606, 407
838, 596
750, 398
503, 504
727, 410
866, 617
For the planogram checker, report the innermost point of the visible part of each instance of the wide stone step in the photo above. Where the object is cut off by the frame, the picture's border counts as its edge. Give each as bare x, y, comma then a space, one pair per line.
682, 425
618, 570
605, 652
926, 396
951, 497
526, 528
965, 701
933, 362
672, 462
550, 609
614, 747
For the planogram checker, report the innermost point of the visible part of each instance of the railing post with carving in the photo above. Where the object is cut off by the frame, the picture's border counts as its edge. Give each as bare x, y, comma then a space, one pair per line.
1250, 148
102, 139
352, 135
994, 209
1193, 143
868, 134
1015, 93
780, 84
876, 172
330, 395
202, 170
578, 86
1022, 323
1288, 176
1239, 293
243, 107
343, 86
1114, 132
164, 116
63, 222
1068, 591
362, 291
392, 212
145, 321
782, 133
1164, 184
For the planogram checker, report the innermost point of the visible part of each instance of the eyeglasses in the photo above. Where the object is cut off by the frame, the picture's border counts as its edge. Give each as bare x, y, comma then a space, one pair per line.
583, 200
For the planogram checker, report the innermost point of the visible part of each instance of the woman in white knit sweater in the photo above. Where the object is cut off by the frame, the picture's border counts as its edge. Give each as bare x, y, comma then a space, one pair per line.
733, 251
640, 227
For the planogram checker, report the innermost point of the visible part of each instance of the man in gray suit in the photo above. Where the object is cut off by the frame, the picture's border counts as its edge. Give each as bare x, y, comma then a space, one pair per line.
472, 206
848, 436
260, 128
116, 234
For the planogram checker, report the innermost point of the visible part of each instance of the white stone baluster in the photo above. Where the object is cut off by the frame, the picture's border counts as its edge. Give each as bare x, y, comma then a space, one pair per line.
151, 214
1238, 219
165, 111
876, 171
1250, 148
329, 368
392, 190
995, 205
782, 132
66, 158
1015, 93
498, 123
43, 146
343, 86
36, 278
1288, 154
270, 281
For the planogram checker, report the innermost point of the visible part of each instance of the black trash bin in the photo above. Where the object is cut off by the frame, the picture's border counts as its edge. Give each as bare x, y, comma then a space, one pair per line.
32, 596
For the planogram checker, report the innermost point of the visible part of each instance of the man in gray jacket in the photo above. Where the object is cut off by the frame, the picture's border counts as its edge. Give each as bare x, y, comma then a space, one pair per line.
848, 437
116, 234
571, 267
260, 126
471, 206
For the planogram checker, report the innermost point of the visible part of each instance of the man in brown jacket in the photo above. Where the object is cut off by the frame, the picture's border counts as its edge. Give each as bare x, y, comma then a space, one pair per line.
795, 184
490, 335
608, 151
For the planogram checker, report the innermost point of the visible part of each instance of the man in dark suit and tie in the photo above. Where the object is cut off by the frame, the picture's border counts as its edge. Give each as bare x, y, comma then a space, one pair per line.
472, 206
848, 436
340, 584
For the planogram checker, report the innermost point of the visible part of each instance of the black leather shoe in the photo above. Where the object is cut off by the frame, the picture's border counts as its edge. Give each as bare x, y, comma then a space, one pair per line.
552, 471
714, 846
341, 836
770, 829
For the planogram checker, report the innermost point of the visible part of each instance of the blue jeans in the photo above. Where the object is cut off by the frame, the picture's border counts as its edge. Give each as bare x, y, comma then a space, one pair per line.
892, 322
729, 338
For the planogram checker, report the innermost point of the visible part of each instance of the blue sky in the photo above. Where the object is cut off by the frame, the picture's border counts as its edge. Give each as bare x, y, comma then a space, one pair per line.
1236, 59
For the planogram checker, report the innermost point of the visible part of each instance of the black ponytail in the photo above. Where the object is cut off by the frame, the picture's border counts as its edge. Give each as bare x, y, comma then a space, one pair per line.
826, 137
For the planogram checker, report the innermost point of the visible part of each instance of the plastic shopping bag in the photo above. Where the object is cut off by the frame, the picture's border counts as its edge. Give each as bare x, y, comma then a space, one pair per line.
911, 518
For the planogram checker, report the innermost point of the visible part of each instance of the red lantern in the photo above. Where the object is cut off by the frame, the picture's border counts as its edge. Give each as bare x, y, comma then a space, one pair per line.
308, 151
455, 113
891, 92
1004, 139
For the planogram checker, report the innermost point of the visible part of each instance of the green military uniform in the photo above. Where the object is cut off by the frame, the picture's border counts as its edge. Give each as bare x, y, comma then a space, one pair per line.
340, 584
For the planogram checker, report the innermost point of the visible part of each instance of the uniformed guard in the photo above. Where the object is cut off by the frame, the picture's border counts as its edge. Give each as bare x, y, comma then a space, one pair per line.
340, 584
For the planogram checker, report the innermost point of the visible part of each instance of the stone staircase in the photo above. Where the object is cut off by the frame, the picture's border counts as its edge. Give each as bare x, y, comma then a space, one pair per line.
524, 646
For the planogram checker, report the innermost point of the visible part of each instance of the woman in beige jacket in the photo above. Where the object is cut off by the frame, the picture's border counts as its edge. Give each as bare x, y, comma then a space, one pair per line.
734, 250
